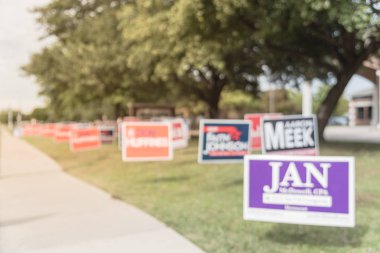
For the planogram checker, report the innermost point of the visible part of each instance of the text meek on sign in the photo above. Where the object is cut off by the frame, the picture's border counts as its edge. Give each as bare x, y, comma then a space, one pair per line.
290, 135
146, 141
223, 140
300, 190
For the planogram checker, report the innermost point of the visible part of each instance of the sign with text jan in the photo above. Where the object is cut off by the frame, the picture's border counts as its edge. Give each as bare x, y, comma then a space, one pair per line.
84, 138
290, 135
305, 190
223, 140
255, 119
146, 141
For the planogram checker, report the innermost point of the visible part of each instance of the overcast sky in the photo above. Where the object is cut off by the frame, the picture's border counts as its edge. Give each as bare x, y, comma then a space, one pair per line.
19, 38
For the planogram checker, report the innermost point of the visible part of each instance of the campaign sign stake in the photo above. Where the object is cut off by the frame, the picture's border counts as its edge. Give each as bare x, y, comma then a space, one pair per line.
146, 141
223, 140
300, 190
290, 135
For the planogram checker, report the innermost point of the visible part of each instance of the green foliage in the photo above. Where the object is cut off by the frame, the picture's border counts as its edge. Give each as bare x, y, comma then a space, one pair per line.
109, 53
341, 108
40, 114
84, 73
4, 116
184, 44
285, 101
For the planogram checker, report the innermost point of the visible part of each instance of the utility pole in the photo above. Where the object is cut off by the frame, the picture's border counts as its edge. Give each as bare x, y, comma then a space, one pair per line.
307, 99
18, 119
376, 101
271, 95
10, 119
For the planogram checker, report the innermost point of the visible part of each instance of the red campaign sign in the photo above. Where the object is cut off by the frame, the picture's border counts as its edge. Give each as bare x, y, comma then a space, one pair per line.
48, 130
85, 139
255, 119
232, 131
62, 132
30, 130
125, 119
146, 141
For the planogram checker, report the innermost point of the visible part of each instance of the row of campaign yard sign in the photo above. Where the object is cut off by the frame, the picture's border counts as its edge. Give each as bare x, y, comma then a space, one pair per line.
139, 140
230, 140
288, 183
80, 137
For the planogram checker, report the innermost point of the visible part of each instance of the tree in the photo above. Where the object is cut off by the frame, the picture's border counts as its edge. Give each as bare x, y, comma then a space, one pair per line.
341, 107
328, 40
184, 44
193, 50
85, 73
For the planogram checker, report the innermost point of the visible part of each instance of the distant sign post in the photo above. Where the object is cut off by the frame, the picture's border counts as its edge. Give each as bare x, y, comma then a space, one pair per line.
300, 190
290, 135
180, 133
223, 140
146, 141
107, 133
84, 138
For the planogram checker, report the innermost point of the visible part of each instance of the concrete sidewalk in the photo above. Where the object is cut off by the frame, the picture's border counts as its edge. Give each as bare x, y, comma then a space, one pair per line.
42, 209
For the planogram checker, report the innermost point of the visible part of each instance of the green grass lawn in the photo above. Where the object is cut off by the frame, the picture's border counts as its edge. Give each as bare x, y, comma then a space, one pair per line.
204, 202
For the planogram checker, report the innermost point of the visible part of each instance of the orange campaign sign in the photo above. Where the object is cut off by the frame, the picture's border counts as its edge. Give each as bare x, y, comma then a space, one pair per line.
30, 130
62, 132
48, 130
146, 141
84, 138
125, 119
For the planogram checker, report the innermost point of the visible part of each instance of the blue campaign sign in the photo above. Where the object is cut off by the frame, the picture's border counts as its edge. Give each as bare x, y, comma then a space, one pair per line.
223, 140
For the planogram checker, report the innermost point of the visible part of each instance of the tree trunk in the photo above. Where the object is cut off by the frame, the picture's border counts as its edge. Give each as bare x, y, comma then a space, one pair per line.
213, 98
329, 103
118, 111
213, 109
331, 100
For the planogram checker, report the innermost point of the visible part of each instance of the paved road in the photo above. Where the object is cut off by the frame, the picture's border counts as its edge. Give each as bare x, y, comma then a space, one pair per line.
43, 210
363, 134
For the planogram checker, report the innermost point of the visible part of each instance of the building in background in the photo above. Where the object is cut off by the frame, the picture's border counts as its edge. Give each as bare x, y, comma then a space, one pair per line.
361, 106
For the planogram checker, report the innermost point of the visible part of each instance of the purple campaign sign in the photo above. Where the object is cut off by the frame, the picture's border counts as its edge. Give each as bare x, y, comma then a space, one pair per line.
302, 190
